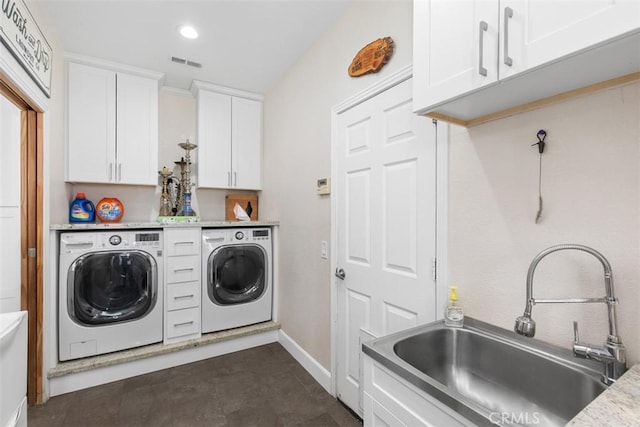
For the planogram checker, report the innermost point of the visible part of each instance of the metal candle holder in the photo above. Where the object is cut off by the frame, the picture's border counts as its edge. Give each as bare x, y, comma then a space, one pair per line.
187, 210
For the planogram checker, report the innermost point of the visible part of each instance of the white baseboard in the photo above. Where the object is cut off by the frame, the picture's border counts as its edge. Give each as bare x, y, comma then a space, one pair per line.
311, 365
81, 380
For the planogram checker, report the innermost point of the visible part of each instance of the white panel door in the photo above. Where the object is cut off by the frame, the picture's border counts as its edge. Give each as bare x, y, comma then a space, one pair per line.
137, 130
386, 226
246, 143
536, 32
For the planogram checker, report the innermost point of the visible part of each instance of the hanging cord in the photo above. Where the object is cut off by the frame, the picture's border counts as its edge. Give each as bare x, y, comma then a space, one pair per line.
541, 135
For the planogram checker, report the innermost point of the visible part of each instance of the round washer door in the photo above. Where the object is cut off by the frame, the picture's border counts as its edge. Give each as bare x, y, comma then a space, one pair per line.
236, 274
109, 287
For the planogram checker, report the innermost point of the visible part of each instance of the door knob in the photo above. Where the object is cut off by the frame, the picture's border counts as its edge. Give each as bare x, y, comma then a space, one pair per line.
340, 274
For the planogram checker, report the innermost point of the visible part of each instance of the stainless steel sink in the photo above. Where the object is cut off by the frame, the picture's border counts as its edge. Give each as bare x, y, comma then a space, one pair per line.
489, 374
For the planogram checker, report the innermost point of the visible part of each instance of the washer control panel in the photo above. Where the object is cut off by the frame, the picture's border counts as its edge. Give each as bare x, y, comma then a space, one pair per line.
128, 239
251, 235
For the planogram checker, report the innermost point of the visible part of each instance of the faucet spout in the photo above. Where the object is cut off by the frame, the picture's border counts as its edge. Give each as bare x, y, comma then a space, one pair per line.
613, 353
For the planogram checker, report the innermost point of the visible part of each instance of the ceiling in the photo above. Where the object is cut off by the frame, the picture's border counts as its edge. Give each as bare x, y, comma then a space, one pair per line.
243, 44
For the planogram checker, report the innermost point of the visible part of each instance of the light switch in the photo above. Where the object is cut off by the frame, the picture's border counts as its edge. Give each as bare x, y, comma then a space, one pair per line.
324, 251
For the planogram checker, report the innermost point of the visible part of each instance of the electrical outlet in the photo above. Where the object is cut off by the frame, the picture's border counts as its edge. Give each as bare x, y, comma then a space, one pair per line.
324, 251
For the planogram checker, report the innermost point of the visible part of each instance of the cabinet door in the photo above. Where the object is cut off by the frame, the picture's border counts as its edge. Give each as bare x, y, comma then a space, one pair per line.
137, 131
91, 124
214, 140
455, 48
538, 32
246, 144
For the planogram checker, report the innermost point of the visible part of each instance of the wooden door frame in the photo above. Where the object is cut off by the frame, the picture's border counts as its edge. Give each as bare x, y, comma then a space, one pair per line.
32, 233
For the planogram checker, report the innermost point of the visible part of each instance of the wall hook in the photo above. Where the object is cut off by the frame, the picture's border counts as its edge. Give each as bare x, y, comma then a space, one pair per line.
541, 135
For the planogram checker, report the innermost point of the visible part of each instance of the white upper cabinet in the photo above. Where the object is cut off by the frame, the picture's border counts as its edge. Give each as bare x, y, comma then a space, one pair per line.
473, 58
535, 32
455, 48
246, 143
112, 126
229, 138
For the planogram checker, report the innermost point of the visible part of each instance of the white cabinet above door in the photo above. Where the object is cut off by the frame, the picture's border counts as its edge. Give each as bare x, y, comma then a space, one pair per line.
455, 48
112, 126
229, 137
536, 32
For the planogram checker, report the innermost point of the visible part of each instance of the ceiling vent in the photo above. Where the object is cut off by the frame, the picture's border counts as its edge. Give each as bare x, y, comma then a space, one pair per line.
186, 62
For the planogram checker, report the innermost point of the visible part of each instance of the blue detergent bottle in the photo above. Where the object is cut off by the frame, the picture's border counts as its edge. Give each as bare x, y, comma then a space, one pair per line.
81, 209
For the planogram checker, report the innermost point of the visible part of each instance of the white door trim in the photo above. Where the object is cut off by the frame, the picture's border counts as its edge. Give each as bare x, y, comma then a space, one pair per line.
442, 187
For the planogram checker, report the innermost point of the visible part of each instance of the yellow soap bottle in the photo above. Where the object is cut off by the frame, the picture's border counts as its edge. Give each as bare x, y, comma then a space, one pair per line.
453, 313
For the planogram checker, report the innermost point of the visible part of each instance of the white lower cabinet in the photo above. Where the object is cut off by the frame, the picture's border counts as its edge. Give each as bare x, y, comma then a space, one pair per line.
391, 401
182, 287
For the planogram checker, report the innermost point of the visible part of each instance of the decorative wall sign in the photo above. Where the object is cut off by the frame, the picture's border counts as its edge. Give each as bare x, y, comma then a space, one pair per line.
20, 33
372, 57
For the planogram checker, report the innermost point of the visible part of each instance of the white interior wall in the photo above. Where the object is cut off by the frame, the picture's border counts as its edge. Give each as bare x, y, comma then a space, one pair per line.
297, 135
591, 195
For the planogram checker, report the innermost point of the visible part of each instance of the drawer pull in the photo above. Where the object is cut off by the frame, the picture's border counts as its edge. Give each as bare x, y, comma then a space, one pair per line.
190, 322
183, 297
175, 270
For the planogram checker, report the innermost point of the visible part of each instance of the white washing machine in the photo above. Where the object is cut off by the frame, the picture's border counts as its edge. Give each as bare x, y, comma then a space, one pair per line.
110, 291
236, 277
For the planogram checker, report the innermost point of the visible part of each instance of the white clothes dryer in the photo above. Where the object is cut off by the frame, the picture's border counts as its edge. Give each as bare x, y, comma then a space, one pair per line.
110, 292
236, 277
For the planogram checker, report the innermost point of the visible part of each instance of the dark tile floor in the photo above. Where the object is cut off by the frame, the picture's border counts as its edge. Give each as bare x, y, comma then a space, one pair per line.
263, 386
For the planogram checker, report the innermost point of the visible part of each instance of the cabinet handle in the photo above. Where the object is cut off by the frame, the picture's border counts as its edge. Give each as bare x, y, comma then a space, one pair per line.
229, 179
235, 179
508, 13
110, 171
119, 172
183, 296
175, 270
175, 325
483, 27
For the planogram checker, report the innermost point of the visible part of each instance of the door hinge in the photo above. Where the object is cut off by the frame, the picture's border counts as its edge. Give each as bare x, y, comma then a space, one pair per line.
32, 253
434, 269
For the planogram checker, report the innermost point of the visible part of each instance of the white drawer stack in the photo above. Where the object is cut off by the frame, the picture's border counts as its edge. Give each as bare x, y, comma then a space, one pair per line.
182, 277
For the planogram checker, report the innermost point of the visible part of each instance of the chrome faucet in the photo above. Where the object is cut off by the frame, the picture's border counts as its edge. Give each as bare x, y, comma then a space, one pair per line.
612, 354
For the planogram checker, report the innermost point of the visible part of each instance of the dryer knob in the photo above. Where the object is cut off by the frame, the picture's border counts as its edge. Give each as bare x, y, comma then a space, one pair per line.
239, 235
115, 240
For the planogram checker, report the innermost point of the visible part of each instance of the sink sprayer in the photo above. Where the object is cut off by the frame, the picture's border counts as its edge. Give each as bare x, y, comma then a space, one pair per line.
612, 354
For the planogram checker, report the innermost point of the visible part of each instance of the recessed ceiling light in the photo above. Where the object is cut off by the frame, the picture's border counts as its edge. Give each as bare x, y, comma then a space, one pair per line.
187, 31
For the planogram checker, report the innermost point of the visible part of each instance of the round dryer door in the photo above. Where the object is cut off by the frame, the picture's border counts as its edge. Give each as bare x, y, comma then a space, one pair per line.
236, 274
109, 287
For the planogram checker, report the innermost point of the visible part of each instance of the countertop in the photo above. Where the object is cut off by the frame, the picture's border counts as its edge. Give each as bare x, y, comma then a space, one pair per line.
140, 225
619, 405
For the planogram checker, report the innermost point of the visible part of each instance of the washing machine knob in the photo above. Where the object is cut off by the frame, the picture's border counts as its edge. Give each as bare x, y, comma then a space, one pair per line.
115, 240
239, 235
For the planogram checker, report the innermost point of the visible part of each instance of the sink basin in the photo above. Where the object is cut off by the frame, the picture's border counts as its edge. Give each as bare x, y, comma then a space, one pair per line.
486, 373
